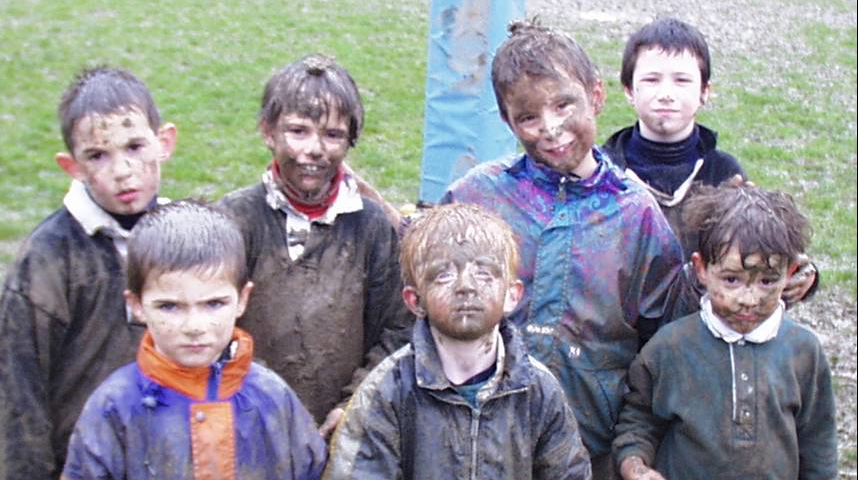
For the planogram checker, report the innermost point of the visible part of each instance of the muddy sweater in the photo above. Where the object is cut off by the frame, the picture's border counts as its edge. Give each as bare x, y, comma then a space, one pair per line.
601, 268
768, 414
408, 422
63, 330
323, 320
717, 167
232, 420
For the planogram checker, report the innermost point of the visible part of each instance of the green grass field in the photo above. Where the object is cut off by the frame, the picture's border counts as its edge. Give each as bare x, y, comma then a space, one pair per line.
207, 63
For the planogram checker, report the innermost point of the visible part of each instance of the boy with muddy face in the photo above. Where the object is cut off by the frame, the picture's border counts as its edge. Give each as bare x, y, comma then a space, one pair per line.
601, 267
326, 305
665, 75
62, 316
463, 400
194, 391
737, 390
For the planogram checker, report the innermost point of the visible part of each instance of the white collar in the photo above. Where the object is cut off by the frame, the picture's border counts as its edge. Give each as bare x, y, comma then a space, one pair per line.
89, 214
678, 195
348, 199
764, 332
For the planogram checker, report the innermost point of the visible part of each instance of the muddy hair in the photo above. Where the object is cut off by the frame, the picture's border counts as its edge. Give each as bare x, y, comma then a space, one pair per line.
185, 235
672, 36
539, 52
754, 220
103, 91
452, 225
313, 86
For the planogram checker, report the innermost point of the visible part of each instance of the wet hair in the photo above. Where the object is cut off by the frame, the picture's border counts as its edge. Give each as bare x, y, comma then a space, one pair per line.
539, 52
452, 225
104, 91
185, 235
754, 220
313, 86
673, 37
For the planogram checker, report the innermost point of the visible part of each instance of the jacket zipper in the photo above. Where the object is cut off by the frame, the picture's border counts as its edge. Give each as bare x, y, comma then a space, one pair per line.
475, 430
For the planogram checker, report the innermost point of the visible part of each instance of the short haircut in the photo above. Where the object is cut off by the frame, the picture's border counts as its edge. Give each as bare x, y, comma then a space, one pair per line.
754, 220
313, 86
672, 36
185, 235
452, 225
540, 52
104, 91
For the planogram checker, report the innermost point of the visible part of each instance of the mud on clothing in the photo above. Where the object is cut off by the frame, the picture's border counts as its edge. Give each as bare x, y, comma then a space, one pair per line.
233, 420
768, 414
63, 329
322, 320
408, 422
601, 271
717, 167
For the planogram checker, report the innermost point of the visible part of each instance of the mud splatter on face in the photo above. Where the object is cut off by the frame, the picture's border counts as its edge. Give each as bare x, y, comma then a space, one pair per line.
127, 123
554, 119
744, 292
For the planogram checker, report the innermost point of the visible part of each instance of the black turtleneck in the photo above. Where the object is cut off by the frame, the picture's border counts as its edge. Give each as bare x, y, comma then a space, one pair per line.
663, 165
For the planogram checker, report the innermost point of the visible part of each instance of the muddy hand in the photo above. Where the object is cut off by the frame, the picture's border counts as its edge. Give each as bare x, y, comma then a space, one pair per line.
331, 422
800, 282
633, 468
737, 181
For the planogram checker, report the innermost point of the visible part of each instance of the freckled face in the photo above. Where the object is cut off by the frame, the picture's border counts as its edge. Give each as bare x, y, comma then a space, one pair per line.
666, 93
464, 290
309, 152
190, 314
555, 121
118, 157
743, 295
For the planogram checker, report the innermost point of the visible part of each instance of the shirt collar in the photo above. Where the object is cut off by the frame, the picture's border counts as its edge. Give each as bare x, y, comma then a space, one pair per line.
89, 214
764, 332
348, 199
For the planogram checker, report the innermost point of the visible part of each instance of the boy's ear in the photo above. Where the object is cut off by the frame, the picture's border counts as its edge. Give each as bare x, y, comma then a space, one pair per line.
243, 297
630, 95
412, 301
598, 96
514, 292
267, 134
134, 304
704, 93
69, 165
699, 267
167, 135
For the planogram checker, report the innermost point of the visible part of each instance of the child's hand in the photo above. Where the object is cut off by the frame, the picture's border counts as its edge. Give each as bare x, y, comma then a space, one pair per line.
331, 422
800, 282
633, 468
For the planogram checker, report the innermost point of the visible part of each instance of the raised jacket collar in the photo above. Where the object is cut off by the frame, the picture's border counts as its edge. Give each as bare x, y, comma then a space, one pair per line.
194, 381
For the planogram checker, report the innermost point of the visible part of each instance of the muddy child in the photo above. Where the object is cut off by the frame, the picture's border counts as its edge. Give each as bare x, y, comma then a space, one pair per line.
665, 72
738, 390
63, 319
194, 404
600, 265
463, 400
326, 305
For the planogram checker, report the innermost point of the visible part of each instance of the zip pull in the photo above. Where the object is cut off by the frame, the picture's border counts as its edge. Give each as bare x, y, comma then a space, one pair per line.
214, 379
561, 190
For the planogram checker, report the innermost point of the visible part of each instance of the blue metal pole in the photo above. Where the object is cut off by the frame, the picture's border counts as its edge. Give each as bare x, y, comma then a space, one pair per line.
462, 126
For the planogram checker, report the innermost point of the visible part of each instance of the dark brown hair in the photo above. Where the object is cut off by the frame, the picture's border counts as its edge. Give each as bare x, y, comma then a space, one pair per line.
185, 235
536, 51
754, 220
672, 36
313, 86
103, 91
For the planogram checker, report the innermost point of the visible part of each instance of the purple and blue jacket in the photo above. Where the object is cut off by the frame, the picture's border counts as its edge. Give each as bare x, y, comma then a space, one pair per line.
602, 271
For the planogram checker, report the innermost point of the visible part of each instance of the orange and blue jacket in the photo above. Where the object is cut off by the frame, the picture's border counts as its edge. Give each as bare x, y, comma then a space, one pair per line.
232, 420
